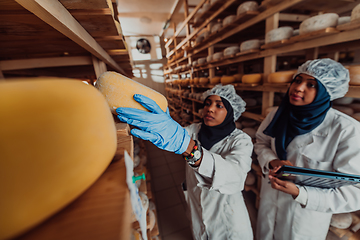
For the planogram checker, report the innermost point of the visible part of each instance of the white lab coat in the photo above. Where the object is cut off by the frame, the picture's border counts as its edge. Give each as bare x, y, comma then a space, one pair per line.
333, 146
214, 189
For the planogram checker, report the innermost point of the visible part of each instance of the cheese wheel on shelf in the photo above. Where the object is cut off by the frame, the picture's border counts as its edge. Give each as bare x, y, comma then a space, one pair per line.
343, 20
247, 6
249, 45
281, 77
203, 80
209, 58
231, 50
341, 220
318, 22
119, 91
354, 72
279, 34
215, 80
238, 77
196, 80
252, 78
201, 60
355, 13
229, 19
227, 79
57, 137
217, 56
216, 27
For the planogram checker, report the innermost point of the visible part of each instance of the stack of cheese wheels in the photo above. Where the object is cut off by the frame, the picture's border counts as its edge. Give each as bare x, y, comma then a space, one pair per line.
252, 78
203, 80
57, 137
227, 79
112, 85
247, 6
355, 13
281, 77
279, 34
354, 72
238, 77
215, 80
319, 22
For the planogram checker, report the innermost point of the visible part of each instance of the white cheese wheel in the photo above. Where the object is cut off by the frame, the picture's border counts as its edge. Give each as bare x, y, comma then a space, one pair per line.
247, 6
279, 34
216, 27
229, 19
341, 221
250, 44
199, 39
354, 74
238, 77
218, 56
343, 20
296, 32
204, 80
206, 34
355, 13
231, 50
209, 58
201, 60
206, 6
227, 79
252, 78
318, 22
194, 63
215, 80
281, 77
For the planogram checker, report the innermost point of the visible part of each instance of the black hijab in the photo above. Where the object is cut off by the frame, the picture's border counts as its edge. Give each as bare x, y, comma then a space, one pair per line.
208, 136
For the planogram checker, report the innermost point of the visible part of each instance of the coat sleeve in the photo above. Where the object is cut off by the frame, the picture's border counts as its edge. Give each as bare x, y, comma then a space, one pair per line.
262, 147
229, 169
346, 160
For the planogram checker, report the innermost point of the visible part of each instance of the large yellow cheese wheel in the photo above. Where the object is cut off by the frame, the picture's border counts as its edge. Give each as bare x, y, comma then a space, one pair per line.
57, 137
119, 91
252, 78
215, 80
227, 79
281, 77
203, 80
354, 72
238, 77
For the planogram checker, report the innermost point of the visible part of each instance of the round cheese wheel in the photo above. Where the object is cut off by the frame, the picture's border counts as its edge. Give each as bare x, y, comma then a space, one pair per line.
119, 91
238, 77
194, 63
354, 72
209, 58
57, 137
343, 20
247, 6
355, 13
281, 77
196, 80
204, 80
229, 19
201, 60
216, 27
215, 80
227, 79
250, 44
341, 221
278, 34
231, 50
252, 78
217, 56
318, 22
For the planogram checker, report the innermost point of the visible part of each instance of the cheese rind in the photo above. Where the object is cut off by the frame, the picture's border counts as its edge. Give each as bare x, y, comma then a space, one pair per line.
119, 91
57, 137
281, 77
252, 78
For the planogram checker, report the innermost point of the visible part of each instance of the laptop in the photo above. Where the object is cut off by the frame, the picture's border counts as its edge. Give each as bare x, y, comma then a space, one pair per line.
316, 178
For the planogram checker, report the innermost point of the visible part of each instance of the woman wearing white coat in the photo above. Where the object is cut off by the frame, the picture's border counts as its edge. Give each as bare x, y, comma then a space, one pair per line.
306, 132
218, 156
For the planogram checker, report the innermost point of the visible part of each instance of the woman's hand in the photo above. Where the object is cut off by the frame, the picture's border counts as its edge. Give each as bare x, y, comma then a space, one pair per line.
284, 186
278, 163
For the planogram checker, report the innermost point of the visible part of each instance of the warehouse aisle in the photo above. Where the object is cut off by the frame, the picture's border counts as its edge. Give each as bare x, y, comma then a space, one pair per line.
167, 173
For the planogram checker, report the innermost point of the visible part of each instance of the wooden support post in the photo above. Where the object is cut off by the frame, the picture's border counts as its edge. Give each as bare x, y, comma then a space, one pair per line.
211, 70
99, 66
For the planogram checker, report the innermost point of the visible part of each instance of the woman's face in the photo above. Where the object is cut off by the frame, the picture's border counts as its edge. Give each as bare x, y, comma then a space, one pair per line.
302, 90
214, 111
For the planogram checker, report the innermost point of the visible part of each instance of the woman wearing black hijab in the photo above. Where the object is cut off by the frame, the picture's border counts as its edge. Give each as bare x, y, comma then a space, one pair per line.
218, 157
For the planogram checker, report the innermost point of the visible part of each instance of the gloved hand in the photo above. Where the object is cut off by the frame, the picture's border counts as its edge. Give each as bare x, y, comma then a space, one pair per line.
155, 126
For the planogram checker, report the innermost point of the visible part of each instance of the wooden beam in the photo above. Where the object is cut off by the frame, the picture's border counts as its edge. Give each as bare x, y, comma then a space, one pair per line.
99, 66
44, 62
56, 15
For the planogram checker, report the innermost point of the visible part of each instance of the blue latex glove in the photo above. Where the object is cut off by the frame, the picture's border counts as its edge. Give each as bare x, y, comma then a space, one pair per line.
155, 126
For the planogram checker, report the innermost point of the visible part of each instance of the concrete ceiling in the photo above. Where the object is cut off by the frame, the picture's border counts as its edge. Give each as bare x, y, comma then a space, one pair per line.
148, 17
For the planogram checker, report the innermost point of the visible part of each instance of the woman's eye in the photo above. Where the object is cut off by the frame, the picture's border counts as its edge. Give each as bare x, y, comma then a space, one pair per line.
311, 85
207, 104
297, 81
220, 106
